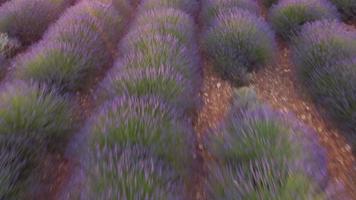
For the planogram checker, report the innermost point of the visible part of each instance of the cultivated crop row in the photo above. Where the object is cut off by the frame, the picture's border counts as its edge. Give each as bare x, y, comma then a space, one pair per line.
324, 54
141, 139
23, 22
258, 153
36, 115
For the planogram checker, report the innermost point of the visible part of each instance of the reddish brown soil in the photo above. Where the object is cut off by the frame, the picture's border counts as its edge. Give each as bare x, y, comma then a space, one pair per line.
277, 85
216, 96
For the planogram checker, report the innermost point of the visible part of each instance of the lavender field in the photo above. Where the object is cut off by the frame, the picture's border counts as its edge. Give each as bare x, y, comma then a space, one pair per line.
177, 99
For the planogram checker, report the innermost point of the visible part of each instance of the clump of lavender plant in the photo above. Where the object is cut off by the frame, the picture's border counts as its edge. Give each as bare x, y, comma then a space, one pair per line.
189, 6
183, 33
27, 20
144, 121
239, 42
130, 173
322, 43
261, 154
287, 16
75, 47
164, 82
165, 16
346, 7
35, 110
212, 8
157, 50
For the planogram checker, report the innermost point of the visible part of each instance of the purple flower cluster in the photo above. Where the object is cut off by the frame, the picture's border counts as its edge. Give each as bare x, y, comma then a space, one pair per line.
260, 153
324, 54
76, 46
238, 42
27, 20
141, 139
287, 16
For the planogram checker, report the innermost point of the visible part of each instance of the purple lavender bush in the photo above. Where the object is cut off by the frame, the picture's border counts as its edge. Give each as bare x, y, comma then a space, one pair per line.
212, 8
261, 154
35, 110
124, 7
89, 16
164, 82
238, 42
27, 20
72, 50
324, 54
287, 16
347, 8
322, 43
166, 16
183, 33
160, 50
189, 6
132, 172
145, 121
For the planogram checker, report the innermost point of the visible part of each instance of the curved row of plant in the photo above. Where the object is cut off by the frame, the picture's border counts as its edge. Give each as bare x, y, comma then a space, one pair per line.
23, 22
288, 16
256, 152
324, 54
36, 115
141, 140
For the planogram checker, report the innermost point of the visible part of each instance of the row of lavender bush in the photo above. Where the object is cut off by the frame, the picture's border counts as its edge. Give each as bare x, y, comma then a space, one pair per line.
324, 54
257, 153
36, 115
237, 41
287, 16
262, 154
141, 142
23, 22
305, 9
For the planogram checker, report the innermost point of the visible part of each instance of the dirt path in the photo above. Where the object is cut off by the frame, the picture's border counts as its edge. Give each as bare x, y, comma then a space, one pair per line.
277, 85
